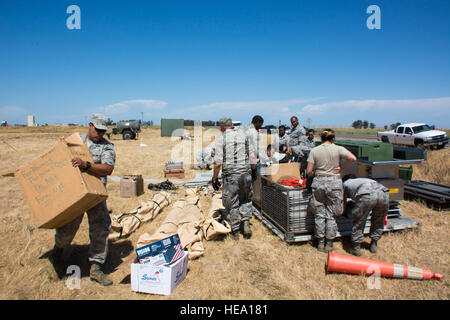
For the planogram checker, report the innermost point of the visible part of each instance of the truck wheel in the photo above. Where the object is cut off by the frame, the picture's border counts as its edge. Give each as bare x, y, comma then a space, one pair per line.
385, 139
419, 144
127, 135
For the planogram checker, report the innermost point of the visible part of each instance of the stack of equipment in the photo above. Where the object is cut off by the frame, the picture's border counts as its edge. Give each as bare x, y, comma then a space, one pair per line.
174, 170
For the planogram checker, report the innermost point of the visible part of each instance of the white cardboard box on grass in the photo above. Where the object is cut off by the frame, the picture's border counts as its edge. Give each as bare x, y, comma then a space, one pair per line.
158, 280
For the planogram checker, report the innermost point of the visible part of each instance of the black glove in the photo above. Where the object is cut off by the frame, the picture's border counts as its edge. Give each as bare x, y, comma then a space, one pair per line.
216, 184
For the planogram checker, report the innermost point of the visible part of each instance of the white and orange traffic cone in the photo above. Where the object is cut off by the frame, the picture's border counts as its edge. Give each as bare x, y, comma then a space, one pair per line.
354, 265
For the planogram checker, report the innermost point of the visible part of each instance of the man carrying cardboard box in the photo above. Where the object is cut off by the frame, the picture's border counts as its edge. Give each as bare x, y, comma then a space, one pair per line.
103, 155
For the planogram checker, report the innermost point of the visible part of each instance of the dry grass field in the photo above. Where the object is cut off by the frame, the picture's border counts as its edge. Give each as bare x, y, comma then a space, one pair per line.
263, 267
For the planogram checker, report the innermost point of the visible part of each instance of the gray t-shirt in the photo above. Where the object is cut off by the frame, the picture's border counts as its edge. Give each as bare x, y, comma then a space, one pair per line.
326, 158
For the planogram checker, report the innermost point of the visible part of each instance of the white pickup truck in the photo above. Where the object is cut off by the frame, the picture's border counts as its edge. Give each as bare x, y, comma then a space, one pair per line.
419, 135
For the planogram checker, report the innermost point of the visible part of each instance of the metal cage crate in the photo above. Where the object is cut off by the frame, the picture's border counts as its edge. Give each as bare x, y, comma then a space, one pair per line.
287, 212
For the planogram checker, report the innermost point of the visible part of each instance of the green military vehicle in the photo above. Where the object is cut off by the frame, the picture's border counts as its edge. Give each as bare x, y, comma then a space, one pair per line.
128, 129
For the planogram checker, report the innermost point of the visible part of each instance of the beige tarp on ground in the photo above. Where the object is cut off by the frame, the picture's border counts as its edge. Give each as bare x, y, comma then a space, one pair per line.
124, 224
188, 221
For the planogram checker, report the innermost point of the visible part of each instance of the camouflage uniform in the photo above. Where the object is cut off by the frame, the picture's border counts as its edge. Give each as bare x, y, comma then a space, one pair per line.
306, 146
232, 152
327, 202
256, 143
369, 196
327, 189
98, 216
278, 141
296, 142
204, 158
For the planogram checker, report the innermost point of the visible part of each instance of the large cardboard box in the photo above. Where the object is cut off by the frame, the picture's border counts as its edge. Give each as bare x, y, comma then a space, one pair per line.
131, 186
55, 191
281, 171
158, 279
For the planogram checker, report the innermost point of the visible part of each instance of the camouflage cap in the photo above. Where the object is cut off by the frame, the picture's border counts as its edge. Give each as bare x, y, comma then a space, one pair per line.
225, 122
99, 121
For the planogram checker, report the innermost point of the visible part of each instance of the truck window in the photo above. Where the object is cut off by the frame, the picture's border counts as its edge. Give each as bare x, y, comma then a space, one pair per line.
400, 129
421, 128
408, 130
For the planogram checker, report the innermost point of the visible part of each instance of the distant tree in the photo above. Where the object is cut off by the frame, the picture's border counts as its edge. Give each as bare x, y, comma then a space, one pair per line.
357, 124
386, 127
365, 124
372, 125
395, 125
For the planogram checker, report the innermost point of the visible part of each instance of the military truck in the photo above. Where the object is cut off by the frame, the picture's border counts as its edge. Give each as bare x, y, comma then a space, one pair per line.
128, 129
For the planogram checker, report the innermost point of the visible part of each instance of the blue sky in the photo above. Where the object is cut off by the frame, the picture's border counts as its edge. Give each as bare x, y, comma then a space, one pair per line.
202, 60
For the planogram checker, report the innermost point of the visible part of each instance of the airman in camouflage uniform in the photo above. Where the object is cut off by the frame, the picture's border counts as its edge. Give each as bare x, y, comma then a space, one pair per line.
306, 146
103, 156
327, 192
296, 140
368, 196
235, 154
252, 131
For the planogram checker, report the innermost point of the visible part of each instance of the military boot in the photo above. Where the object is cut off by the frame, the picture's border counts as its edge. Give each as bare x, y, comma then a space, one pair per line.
329, 245
373, 246
321, 245
234, 234
246, 231
97, 275
356, 249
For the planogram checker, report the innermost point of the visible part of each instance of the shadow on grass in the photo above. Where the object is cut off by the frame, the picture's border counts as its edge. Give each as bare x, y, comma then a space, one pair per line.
78, 255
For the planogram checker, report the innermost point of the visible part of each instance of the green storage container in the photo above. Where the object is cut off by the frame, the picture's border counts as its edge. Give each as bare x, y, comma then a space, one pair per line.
405, 173
168, 126
404, 153
370, 151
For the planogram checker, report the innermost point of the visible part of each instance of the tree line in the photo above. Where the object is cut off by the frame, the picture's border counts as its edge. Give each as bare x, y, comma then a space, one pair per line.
360, 124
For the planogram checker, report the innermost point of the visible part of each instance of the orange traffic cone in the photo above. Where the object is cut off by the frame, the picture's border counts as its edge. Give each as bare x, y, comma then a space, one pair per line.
354, 265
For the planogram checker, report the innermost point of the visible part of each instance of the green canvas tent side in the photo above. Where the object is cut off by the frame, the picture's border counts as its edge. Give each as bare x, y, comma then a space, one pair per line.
168, 126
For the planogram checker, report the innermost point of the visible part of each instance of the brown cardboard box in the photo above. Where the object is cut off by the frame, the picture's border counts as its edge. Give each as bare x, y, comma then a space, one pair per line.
54, 190
281, 171
131, 186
